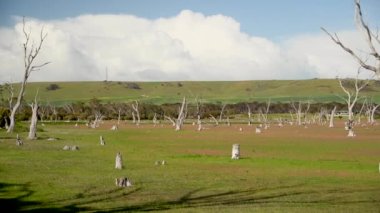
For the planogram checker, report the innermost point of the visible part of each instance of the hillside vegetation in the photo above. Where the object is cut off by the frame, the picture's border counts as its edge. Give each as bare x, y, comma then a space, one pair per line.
316, 90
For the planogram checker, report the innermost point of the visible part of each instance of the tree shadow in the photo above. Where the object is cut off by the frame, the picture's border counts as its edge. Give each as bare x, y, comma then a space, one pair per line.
13, 199
282, 195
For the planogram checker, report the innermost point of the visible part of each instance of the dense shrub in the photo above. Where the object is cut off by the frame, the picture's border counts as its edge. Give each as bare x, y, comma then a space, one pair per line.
53, 87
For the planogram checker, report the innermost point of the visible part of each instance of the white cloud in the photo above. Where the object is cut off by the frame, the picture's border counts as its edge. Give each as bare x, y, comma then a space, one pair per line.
189, 46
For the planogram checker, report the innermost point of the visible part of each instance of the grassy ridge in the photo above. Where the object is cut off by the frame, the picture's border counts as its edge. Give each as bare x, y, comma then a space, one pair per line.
318, 90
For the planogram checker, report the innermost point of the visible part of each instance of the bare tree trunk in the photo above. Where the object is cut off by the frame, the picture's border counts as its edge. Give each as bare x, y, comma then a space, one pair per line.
155, 119
235, 152
19, 141
216, 121
30, 53
118, 161
181, 116
249, 115
331, 125
221, 113
102, 141
133, 117
351, 99
373, 110
123, 182
370, 37
118, 116
136, 109
199, 122
170, 119
33, 123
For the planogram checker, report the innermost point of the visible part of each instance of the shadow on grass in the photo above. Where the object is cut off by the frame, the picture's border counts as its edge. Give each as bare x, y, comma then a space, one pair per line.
278, 196
13, 198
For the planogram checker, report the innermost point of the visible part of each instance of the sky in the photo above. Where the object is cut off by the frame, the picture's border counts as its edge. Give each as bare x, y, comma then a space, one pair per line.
171, 40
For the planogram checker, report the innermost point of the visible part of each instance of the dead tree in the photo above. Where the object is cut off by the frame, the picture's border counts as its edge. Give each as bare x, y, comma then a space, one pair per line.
43, 111
170, 119
155, 121
33, 122
214, 119
31, 52
249, 115
118, 116
332, 115
133, 117
118, 161
352, 96
123, 182
235, 152
135, 108
181, 115
221, 112
199, 121
370, 112
264, 114
19, 141
300, 111
98, 118
371, 38
359, 114
102, 141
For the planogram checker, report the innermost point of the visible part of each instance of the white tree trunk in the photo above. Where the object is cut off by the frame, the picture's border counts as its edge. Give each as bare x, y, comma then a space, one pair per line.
118, 117
19, 141
136, 109
372, 117
134, 117
118, 161
123, 182
332, 114
235, 152
155, 119
31, 51
199, 122
102, 141
33, 123
216, 121
181, 116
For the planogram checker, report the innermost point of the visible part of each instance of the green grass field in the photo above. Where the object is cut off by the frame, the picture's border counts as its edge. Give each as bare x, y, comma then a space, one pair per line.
290, 169
172, 92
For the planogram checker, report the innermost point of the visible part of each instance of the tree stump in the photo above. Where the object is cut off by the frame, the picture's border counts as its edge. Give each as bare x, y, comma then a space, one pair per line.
118, 161
351, 133
19, 141
123, 182
258, 130
102, 141
235, 151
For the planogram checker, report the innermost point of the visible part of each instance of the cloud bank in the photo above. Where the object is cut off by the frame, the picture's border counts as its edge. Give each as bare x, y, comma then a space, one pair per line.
189, 46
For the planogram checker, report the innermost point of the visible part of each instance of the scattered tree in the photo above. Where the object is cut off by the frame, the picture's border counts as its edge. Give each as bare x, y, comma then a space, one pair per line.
30, 54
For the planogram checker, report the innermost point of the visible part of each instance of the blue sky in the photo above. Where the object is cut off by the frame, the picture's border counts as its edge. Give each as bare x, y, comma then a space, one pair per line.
161, 40
275, 19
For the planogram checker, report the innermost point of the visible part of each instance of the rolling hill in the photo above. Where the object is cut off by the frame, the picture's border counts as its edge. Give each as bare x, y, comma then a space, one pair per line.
317, 90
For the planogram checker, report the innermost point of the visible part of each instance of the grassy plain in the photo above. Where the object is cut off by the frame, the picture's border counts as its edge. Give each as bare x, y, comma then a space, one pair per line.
317, 90
289, 169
